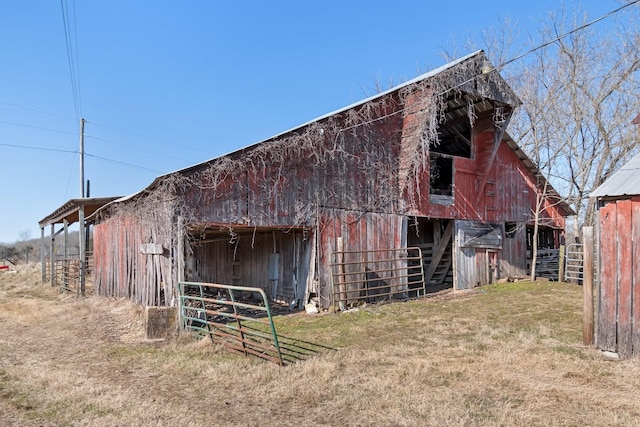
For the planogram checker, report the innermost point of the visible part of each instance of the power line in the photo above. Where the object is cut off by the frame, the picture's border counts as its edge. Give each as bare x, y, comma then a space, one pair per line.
29, 147
122, 163
36, 110
136, 148
38, 127
72, 60
499, 67
560, 37
149, 137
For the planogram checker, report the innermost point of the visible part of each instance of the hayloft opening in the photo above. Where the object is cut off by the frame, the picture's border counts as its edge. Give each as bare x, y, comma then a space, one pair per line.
441, 175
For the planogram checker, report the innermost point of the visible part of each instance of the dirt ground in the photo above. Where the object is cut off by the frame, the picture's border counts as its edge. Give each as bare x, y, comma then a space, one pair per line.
502, 355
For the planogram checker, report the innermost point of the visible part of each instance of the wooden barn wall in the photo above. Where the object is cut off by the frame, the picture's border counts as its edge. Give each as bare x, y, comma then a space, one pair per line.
121, 269
245, 262
359, 231
618, 326
513, 258
356, 169
510, 192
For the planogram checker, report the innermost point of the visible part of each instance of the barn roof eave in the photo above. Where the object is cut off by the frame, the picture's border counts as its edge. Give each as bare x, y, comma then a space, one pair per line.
625, 182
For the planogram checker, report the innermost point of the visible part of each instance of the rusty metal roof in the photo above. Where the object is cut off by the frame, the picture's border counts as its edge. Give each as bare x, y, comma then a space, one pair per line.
71, 209
625, 182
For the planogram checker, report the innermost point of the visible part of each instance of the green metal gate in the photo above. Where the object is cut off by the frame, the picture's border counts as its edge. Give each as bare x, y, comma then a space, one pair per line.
237, 317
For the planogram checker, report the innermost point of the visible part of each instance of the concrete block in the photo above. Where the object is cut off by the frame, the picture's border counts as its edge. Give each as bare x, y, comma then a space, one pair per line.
160, 322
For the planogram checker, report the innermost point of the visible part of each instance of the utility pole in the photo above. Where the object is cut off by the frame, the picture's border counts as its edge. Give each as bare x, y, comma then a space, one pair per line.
81, 246
81, 158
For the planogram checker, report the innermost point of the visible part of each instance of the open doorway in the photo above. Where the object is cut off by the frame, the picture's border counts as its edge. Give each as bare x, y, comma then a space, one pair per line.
435, 238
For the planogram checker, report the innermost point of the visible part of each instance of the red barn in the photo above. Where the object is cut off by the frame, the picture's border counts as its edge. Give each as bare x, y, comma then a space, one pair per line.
424, 166
618, 304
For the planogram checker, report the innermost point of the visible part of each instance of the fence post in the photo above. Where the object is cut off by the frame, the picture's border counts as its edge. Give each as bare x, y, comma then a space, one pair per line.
561, 264
587, 285
341, 274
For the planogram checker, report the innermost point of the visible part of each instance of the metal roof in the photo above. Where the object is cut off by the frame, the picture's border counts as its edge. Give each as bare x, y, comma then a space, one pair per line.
71, 209
625, 182
453, 104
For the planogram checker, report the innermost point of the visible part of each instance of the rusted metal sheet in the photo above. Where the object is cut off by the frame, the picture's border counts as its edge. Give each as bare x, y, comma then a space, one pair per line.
606, 335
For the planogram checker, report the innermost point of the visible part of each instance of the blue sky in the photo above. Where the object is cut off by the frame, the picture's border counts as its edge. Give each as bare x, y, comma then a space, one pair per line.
165, 84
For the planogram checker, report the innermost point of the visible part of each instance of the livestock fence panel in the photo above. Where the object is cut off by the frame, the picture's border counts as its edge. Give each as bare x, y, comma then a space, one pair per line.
376, 275
236, 317
573, 270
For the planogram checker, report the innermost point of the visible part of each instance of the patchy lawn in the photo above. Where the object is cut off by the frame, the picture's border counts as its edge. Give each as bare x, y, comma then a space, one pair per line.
508, 354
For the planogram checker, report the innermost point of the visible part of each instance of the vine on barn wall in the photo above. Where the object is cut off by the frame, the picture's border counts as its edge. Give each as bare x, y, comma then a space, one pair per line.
383, 145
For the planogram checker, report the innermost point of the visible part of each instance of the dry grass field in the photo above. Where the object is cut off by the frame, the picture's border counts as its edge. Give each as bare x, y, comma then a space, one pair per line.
504, 355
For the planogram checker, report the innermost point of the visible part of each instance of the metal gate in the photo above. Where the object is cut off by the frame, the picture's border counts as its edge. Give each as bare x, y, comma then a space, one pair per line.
375, 275
236, 317
573, 271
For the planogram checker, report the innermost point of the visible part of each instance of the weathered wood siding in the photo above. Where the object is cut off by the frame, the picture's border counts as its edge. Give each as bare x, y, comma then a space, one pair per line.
513, 259
354, 169
360, 231
245, 261
510, 192
618, 327
121, 268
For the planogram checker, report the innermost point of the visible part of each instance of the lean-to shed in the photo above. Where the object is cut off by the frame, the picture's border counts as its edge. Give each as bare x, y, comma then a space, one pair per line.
427, 164
618, 303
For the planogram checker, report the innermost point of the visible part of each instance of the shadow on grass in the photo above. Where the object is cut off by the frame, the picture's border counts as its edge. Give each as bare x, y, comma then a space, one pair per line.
296, 350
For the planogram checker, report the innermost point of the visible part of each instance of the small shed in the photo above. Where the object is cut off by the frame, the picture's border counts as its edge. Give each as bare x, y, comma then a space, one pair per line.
74, 210
618, 300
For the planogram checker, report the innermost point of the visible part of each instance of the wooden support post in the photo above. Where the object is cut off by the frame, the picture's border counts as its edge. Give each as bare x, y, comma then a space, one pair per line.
341, 274
180, 251
561, 264
82, 249
52, 271
587, 285
43, 266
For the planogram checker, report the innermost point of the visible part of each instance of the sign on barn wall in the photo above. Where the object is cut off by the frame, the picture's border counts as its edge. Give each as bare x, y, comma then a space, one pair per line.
151, 249
480, 235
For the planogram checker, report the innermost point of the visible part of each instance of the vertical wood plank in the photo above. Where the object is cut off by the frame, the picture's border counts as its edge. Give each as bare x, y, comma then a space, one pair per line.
587, 286
624, 277
635, 276
606, 337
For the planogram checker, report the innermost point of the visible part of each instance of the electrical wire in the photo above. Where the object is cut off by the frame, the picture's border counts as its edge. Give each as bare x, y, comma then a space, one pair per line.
38, 127
507, 62
36, 111
136, 148
28, 147
72, 59
149, 137
123, 163
105, 159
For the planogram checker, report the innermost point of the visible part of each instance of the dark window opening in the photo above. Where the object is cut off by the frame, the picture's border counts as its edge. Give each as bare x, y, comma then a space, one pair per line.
546, 238
454, 137
510, 229
441, 175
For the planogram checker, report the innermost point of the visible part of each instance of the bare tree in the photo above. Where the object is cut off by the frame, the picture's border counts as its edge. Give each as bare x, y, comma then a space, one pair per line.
579, 95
